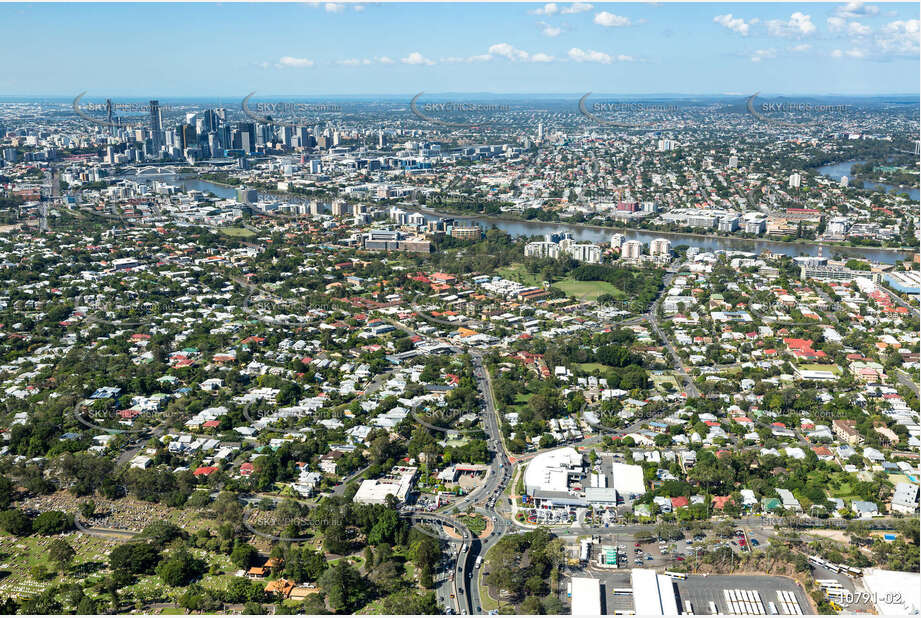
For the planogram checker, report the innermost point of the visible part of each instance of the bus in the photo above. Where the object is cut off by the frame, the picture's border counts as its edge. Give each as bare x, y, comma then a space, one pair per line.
479, 561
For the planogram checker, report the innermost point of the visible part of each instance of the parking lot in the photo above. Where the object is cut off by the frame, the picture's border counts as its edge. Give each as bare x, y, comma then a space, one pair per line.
549, 516
700, 590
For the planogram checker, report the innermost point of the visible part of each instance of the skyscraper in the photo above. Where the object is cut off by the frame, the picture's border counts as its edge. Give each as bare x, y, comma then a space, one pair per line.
187, 136
156, 126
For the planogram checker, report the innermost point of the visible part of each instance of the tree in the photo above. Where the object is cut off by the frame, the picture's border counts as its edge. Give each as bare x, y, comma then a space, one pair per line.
346, 590
61, 553
87, 509
385, 528
532, 606
180, 568
335, 540
241, 590
134, 558
162, 532
53, 522
15, 522
243, 555
7, 492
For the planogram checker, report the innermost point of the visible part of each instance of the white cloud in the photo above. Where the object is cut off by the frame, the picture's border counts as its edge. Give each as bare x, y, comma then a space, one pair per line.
802, 47
836, 24
548, 9
589, 56
850, 53
385, 60
799, 25
899, 37
416, 58
549, 30
541, 57
625, 58
610, 20
332, 7
295, 63
468, 59
856, 9
354, 62
576, 7
761, 54
736, 24
507, 51
839, 24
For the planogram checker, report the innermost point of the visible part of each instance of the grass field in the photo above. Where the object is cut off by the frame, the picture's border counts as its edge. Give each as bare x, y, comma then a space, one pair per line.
517, 272
592, 367
663, 379
583, 290
844, 491
238, 232
817, 367
587, 290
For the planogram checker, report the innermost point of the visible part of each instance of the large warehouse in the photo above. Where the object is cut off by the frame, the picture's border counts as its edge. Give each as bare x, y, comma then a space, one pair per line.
653, 594
628, 480
895, 593
551, 472
586, 596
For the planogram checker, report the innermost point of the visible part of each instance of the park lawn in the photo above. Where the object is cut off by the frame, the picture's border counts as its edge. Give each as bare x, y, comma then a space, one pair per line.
237, 232
172, 611
835, 369
518, 272
845, 492
587, 290
592, 367
521, 400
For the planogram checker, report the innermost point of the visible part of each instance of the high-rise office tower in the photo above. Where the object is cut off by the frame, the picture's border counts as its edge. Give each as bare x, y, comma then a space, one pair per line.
380, 138
303, 137
187, 136
540, 131
287, 135
214, 145
156, 125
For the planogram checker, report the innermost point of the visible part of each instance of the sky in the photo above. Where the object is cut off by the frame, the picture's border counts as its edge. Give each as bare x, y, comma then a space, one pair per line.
231, 49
